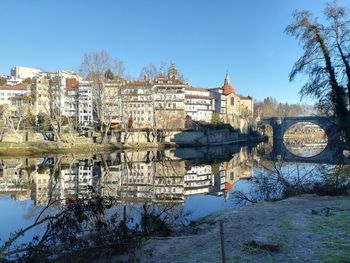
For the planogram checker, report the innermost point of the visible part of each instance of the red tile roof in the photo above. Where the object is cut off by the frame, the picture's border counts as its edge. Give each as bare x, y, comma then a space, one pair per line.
15, 87
227, 89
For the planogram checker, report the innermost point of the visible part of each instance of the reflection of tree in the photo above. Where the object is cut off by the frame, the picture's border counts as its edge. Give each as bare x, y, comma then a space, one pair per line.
85, 225
277, 180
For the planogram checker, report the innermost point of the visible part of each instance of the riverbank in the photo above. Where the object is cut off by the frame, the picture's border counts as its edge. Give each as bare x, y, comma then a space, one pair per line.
307, 228
49, 147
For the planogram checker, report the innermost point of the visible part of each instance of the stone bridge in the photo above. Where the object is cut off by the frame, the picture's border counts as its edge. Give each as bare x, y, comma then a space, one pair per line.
332, 154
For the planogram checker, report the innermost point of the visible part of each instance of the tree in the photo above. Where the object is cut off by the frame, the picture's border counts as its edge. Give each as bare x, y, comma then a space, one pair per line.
94, 65
27, 81
323, 64
150, 72
97, 67
13, 120
3, 81
109, 75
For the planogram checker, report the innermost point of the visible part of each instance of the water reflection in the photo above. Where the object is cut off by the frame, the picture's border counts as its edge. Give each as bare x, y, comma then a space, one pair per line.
131, 177
305, 139
149, 191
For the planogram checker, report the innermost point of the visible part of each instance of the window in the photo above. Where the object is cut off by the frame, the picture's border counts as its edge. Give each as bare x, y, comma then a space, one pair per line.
232, 101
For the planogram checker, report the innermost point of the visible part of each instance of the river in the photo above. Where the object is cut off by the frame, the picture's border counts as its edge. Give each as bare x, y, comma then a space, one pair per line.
197, 180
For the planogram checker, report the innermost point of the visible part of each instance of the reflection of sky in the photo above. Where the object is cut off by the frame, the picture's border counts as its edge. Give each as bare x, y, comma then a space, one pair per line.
203, 205
14, 215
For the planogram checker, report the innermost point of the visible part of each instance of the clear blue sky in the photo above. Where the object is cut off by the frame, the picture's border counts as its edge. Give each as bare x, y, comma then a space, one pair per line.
203, 37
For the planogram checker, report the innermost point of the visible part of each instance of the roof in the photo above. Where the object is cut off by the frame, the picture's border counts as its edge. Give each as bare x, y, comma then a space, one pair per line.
137, 83
245, 97
15, 87
196, 89
198, 96
227, 89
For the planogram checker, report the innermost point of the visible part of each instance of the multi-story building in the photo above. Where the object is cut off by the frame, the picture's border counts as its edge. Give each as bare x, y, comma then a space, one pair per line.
85, 105
199, 104
7, 93
24, 72
137, 100
41, 94
111, 106
169, 102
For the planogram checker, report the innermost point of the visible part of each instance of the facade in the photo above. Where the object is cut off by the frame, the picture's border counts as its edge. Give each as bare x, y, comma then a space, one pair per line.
199, 104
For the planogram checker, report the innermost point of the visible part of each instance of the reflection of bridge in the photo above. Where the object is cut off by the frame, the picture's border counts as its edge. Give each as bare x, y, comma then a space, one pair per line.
332, 154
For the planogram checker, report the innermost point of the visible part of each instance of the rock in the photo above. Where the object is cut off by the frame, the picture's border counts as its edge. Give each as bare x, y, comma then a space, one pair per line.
265, 244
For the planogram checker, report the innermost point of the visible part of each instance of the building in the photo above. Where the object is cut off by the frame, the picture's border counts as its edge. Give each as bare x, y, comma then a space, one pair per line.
169, 101
41, 94
85, 105
137, 100
7, 93
232, 108
199, 105
112, 106
24, 72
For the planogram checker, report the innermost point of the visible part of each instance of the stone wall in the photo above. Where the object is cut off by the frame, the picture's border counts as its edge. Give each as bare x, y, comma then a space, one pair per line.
206, 137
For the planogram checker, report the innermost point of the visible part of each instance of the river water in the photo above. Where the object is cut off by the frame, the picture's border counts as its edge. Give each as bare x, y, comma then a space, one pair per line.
199, 181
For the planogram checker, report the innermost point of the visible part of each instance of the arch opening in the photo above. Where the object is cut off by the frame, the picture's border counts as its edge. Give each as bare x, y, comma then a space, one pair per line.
305, 139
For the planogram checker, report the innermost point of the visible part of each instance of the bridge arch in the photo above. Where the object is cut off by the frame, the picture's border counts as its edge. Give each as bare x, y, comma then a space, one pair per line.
328, 124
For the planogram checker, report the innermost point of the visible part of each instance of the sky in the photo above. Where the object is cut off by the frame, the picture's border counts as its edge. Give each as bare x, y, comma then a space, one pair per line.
204, 38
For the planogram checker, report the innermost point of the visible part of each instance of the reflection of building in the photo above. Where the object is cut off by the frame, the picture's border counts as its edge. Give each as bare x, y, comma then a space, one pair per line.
199, 180
40, 181
130, 177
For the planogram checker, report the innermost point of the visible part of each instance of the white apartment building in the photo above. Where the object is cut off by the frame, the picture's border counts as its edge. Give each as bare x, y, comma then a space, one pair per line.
220, 102
199, 105
24, 72
85, 106
7, 93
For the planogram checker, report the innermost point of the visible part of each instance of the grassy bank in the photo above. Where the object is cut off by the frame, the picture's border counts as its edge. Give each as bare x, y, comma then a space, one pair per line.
38, 148
48, 147
308, 228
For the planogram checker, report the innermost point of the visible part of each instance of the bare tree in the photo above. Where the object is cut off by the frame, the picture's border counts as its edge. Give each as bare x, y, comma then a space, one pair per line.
13, 119
94, 67
150, 72
118, 69
320, 62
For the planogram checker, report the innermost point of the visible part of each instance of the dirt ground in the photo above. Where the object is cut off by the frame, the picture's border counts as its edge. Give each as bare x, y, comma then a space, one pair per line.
307, 228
